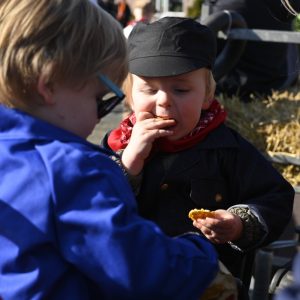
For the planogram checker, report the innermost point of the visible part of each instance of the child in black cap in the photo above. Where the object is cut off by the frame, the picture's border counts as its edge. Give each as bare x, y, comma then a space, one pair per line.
176, 143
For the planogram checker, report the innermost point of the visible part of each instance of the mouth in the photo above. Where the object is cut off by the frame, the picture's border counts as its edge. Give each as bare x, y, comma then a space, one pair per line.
163, 118
167, 118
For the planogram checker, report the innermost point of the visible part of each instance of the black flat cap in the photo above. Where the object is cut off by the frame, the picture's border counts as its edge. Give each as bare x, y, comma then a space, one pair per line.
170, 46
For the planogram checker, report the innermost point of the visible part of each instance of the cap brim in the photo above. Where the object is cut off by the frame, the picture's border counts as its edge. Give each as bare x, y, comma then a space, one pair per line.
160, 66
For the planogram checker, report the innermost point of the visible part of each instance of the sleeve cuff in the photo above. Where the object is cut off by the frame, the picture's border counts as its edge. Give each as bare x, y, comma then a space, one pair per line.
253, 230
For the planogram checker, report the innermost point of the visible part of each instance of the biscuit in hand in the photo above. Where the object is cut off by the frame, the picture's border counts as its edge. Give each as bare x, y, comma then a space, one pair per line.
195, 214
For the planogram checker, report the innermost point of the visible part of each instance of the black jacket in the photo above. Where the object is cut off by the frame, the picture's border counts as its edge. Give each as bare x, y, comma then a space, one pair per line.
221, 171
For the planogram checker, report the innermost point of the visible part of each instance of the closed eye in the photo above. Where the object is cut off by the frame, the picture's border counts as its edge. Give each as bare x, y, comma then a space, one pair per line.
149, 91
181, 91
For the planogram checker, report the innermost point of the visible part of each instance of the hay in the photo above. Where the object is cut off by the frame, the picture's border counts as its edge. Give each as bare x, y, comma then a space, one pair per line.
273, 125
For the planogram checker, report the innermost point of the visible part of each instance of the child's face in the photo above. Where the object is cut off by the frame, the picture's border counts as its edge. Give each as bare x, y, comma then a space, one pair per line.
75, 108
176, 97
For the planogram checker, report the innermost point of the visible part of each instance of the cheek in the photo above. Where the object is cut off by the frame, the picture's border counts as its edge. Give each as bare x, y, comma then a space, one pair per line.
87, 118
191, 118
140, 102
190, 112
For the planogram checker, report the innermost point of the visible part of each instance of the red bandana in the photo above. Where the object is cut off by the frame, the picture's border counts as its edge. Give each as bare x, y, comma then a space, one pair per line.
209, 120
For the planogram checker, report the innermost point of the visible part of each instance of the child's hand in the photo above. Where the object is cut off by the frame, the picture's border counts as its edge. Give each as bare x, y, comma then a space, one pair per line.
145, 131
224, 227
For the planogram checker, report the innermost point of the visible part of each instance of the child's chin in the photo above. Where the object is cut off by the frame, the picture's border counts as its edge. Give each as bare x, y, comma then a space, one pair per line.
174, 137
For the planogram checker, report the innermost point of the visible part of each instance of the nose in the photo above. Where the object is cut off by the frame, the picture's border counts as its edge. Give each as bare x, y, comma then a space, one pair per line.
164, 99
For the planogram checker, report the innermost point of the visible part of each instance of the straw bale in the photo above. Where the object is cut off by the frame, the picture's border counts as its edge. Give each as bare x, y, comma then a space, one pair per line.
273, 125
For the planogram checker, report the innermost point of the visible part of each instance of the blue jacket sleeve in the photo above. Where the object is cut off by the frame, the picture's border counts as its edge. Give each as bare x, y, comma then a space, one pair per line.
100, 232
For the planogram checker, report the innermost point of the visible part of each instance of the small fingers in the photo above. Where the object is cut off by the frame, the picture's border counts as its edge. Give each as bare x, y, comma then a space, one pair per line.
162, 132
144, 115
153, 121
152, 134
153, 130
214, 237
213, 233
160, 124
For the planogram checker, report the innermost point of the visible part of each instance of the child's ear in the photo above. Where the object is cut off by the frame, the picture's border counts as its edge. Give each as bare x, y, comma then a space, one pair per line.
45, 90
207, 102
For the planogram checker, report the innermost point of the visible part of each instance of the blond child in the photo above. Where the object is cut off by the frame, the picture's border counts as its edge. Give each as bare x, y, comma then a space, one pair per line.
69, 227
179, 153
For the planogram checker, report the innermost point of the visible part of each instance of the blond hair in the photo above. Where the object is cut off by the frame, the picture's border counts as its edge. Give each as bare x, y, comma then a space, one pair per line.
210, 86
66, 41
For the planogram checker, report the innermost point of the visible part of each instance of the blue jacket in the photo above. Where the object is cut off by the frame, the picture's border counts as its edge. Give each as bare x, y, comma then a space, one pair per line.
69, 227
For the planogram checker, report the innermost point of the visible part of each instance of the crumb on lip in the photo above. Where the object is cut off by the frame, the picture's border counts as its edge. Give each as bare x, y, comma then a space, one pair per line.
163, 118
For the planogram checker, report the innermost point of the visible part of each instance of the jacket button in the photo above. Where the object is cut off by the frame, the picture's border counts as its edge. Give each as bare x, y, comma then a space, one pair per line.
164, 186
218, 197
